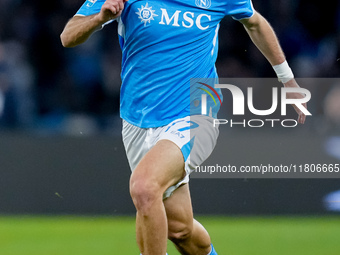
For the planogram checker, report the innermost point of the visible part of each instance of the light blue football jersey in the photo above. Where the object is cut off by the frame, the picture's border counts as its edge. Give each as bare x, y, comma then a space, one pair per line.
164, 44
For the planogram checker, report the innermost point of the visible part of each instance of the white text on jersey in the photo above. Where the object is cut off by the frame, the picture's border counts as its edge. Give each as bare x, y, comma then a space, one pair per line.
188, 17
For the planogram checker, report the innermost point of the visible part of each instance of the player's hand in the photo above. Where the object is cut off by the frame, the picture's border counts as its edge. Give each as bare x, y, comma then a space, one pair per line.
293, 84
111, 9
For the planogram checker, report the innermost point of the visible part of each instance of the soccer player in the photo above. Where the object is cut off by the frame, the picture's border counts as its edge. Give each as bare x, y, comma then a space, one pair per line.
164, 44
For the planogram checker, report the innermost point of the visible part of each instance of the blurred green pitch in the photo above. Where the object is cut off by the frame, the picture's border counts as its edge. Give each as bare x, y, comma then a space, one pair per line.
72, 235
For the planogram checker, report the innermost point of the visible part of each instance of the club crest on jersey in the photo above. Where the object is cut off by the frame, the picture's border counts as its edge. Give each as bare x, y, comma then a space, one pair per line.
205, 4
146, 14
90, 3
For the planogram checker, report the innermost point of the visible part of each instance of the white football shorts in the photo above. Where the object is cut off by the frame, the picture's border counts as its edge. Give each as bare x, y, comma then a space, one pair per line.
195, 135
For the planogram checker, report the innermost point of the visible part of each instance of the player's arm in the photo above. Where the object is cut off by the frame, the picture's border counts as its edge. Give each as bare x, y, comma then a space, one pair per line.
263, 36
80, 28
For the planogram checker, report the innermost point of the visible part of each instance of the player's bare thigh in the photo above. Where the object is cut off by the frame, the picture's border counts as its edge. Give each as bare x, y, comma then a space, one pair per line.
160, 168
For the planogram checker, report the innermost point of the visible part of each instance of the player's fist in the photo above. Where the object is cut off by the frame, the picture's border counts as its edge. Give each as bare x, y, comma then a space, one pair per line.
111, 9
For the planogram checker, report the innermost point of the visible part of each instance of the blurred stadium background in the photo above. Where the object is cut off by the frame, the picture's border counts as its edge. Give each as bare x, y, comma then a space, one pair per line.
63, 171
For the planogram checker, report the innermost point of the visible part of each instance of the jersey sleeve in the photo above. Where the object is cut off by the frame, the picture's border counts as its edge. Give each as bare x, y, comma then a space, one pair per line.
241, 9
90, 7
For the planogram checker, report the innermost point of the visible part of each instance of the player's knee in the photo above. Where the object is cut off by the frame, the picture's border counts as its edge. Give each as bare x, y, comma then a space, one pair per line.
179, 232
144, 194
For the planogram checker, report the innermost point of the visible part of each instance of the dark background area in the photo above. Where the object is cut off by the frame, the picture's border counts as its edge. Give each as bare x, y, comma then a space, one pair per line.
60, 144
90, 175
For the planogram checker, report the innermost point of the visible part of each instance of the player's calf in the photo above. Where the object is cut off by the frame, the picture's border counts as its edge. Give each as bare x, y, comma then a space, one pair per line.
179, 233
190, 238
